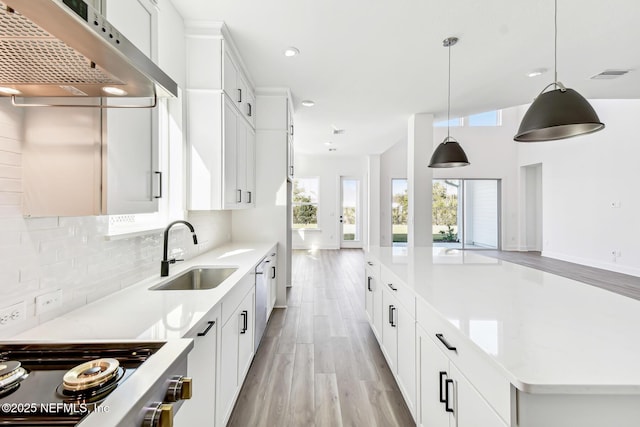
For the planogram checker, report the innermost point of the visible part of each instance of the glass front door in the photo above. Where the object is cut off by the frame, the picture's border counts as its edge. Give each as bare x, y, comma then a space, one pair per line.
350, 226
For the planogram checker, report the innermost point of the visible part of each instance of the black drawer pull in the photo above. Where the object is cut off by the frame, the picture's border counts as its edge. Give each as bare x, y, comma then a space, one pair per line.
443, 375
369, 283
393, 316
446, 343
446, 395
244, 315
391, 286
273, 272
370, 263
206, 331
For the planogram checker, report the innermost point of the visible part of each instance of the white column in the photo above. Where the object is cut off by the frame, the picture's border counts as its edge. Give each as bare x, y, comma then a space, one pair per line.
373, 202
419, 177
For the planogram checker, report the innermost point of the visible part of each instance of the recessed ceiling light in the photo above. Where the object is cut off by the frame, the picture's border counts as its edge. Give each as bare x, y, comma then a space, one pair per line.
291, 51
308, 103
328, 143
114, 91
537, 72
9, 90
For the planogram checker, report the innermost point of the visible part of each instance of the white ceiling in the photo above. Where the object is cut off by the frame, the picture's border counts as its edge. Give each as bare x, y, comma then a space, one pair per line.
370, 64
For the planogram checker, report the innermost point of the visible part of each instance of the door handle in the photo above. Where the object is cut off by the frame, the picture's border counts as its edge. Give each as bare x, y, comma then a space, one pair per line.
393, 317
249, 192
369, 283
443, 375
391, 286
446, 395
244, 315
239, 200
159, 196
273, 272
239, 95
249, 113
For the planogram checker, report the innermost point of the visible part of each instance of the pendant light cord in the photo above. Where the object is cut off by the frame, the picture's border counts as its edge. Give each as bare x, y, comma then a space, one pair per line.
449, 95
555, 41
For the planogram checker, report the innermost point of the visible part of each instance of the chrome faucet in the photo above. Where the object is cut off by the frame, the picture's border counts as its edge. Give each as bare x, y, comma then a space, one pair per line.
164, 265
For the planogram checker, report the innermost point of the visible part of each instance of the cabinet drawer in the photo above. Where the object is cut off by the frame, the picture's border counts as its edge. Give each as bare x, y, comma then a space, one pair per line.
372, 264
391, 282
468, 358
232, 300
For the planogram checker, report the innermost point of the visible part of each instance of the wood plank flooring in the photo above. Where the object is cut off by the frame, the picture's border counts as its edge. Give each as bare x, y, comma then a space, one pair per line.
319, 364
622, 284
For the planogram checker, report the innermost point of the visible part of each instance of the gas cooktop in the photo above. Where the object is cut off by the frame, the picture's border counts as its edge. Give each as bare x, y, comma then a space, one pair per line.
59, 384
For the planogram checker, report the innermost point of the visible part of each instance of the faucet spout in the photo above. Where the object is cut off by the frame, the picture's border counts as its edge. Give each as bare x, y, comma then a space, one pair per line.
164, 265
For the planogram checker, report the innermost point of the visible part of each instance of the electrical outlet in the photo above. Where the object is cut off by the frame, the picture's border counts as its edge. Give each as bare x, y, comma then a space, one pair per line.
49, 301
13, 314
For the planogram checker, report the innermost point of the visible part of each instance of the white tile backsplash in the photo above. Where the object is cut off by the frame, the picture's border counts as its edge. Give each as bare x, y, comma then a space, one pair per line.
38, 255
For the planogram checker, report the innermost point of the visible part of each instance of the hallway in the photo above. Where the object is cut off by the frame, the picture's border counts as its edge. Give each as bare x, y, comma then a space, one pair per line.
319, 364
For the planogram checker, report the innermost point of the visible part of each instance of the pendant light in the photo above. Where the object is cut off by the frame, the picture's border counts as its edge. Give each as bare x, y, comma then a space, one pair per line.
560, 113
449, 154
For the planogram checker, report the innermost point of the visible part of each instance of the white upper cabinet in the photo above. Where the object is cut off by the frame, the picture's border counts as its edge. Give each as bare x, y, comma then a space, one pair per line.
132, 174
221, 123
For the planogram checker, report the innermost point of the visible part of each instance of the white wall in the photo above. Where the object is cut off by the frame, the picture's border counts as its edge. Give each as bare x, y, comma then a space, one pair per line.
393, 164
581, 178
329, 169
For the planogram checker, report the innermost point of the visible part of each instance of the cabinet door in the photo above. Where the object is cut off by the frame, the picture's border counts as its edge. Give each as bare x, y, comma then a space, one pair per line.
200, 409
246, 319
471, 408
369, 284
132, 162
241, 161
228, 377
407, 356
390, 330
230, 78
231, 190
250, 167
432, 375
273, 283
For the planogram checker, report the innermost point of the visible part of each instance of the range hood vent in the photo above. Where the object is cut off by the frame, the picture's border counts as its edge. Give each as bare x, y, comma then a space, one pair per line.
65, 48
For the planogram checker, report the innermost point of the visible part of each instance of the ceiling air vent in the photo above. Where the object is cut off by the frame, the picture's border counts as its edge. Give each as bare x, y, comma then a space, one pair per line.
610, 74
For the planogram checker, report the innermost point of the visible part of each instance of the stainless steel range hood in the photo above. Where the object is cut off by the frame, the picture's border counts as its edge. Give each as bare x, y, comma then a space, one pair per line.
65, 48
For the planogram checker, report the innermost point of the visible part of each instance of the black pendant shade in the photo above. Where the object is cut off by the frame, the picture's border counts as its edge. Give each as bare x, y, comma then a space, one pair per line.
449, 154
558, 114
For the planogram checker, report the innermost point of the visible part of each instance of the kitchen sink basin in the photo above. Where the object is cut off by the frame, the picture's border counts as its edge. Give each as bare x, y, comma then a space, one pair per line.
196, 279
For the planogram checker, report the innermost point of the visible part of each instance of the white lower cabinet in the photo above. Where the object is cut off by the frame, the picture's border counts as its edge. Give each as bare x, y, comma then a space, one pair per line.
200, 409
236, 353
373, 300
446, 397
399, 345
273, 282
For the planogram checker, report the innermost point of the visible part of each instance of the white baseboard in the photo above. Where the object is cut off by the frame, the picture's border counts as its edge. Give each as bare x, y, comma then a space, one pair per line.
611, 266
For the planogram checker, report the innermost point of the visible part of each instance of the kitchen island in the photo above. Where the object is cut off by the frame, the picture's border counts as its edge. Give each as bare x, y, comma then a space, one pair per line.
537, 349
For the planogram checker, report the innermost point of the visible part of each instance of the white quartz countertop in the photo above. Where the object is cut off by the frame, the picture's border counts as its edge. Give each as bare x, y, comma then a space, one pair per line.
547, 333
139, 313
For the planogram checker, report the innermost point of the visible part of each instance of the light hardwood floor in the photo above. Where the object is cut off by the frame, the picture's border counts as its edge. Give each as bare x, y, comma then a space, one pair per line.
319, 364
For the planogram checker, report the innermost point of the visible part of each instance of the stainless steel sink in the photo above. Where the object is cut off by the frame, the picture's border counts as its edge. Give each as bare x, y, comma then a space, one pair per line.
196, 278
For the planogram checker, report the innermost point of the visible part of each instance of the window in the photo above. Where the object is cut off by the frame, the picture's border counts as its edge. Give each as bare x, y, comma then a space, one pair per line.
457, 122
305, 202
490, 118
399, 210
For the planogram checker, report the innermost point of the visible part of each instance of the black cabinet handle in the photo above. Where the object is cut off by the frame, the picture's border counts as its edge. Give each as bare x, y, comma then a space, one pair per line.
369, 283
245, 316
249, 193
370, 263
206, 331
391, 286
249, 113
446, 395
239, 197
159, 196
446, 343
443, 375
273, 272
392, 316
291, 130
239, 95
291, 170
